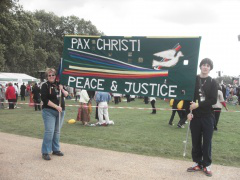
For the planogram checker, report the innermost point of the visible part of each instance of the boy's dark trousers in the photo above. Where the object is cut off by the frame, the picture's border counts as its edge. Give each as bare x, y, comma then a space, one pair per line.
202, 132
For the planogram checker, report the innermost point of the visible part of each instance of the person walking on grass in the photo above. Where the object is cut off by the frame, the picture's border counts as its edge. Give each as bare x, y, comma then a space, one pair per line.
36, 97
153, 101
174, 110
23, 92
185, 111
10, 95
52, 93
202, 119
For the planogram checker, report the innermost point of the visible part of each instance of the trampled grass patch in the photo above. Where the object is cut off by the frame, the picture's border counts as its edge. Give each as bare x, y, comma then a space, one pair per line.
135, 131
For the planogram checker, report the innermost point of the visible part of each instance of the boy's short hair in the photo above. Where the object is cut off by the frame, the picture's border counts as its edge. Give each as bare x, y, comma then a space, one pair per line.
207, 61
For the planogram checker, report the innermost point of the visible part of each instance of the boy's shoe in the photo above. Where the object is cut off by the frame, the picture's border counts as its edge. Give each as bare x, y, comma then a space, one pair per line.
207, 171
46, 157
195, 167
171, 124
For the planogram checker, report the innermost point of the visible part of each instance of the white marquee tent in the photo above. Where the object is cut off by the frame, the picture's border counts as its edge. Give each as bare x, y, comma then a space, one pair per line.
16, 78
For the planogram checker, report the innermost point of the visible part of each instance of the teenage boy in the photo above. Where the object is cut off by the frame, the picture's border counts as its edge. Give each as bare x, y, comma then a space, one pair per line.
202, 120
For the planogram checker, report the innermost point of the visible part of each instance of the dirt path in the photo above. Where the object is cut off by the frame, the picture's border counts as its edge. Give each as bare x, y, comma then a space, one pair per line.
20, 158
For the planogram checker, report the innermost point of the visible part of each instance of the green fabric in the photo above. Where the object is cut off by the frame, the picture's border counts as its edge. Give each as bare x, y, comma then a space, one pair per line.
124, 65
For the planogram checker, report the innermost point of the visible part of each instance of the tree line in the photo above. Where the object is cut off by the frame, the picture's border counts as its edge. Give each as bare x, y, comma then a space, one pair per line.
32, 41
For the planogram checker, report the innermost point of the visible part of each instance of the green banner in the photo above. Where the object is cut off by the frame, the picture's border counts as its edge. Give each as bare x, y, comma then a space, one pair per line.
163, 67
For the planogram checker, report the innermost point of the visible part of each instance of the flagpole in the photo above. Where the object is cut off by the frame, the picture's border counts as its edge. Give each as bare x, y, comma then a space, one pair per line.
59, 116
60, 93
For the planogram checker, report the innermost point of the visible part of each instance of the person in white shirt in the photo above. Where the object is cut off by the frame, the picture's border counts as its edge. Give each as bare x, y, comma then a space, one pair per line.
78, 92
218, 107
117, 97
83, 111
17, 92
153, 101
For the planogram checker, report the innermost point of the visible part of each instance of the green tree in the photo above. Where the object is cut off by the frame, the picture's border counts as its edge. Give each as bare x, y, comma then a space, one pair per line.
40, 57
52, 29
7, 23
225, 79
30, 42
48, 37
6, 5
2, 59
17, 32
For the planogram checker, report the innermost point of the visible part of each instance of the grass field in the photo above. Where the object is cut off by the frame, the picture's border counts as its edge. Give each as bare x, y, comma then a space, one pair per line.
135, 131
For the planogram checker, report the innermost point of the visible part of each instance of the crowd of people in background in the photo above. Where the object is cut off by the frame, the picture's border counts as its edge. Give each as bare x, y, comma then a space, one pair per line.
32, 90
10, 93
231, 95
227, 94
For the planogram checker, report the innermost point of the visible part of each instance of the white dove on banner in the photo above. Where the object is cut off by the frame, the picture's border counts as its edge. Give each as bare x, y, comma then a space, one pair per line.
171, 55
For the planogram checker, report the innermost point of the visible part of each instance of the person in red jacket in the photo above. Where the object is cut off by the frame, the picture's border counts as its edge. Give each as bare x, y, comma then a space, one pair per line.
10, 95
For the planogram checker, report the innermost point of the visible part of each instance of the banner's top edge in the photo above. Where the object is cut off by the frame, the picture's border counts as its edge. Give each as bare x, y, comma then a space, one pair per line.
135, 36
81, 36
173, 36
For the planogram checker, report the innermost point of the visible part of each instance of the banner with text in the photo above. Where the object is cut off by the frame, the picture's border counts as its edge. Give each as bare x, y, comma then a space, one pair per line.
163, 67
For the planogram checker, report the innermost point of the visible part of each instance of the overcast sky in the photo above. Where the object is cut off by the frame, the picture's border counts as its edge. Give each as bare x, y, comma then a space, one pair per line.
216, 21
